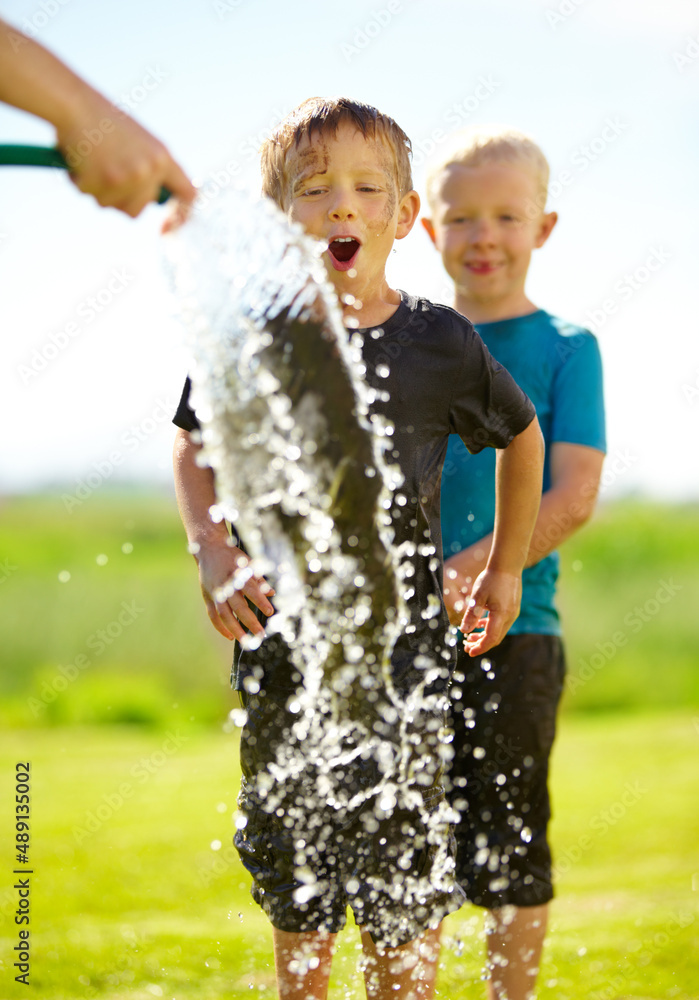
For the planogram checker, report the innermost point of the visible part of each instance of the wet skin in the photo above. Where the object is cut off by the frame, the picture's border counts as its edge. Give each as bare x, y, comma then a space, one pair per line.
344, 187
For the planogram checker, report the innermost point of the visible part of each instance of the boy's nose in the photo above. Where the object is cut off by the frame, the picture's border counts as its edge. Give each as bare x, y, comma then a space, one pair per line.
481, 232
342, 207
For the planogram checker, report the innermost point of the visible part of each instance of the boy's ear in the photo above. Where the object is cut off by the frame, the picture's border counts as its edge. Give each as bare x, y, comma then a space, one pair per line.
408, 212
548, 221
429, 229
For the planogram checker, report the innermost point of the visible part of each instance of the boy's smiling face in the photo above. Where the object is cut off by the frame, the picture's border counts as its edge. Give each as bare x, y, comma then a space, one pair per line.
485, 224
342, 189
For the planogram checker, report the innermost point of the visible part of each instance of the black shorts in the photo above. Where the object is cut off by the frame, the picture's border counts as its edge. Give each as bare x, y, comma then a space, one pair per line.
504, 719
318, 841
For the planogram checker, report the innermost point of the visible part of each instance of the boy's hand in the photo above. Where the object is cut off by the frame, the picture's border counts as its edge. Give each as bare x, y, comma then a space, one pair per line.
232, 616
499, 594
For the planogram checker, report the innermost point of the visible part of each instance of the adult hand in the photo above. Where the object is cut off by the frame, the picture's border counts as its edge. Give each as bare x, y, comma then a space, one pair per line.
119, 163
110, 156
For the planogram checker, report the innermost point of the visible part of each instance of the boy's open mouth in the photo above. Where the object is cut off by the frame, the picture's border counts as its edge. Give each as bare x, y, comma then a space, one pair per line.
343, 251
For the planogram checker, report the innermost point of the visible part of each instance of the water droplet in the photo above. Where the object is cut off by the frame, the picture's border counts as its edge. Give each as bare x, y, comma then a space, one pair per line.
102, 560
64, 576
127, 548
238, 716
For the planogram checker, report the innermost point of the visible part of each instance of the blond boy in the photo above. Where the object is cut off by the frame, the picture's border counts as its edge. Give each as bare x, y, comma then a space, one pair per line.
486, 196
342, 170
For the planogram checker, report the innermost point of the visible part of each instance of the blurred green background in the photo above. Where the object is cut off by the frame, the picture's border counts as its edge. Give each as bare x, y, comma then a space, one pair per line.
103, 620
115, 687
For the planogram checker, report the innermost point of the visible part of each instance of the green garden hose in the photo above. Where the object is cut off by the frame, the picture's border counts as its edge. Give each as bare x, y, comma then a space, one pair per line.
45, 156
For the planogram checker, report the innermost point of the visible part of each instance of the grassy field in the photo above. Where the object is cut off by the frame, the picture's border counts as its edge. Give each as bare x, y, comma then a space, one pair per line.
103, 617
103, 621
130, 900
628, 596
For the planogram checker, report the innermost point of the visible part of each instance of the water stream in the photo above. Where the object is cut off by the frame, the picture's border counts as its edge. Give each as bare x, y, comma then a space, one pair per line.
300, 469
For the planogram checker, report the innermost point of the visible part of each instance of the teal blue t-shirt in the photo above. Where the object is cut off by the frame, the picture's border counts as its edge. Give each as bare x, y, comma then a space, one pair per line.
559, 367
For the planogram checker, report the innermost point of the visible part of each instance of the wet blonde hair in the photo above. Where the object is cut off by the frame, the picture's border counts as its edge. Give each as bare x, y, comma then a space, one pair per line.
325, 114
480, 144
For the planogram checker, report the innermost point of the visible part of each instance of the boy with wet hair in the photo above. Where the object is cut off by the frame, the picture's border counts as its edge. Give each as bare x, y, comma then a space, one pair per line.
487, 197
341, 170
324, 115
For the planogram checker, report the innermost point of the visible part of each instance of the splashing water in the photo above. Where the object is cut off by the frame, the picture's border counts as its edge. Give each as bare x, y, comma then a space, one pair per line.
300, 470
298, 461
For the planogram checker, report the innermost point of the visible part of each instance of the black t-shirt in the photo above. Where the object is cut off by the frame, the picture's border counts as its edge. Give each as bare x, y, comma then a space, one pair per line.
441, 380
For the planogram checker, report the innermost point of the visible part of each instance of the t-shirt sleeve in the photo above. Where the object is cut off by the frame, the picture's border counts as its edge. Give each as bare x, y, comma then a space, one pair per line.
185, 417
578, 403
488, 408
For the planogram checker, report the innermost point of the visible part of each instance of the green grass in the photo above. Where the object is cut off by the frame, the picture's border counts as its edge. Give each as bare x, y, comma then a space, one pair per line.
130, 902
629, 591
122, 641
128, 898
69, 659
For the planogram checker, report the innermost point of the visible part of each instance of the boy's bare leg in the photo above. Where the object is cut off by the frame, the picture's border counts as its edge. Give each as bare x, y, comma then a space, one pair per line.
515, 939
405, 973
302, 963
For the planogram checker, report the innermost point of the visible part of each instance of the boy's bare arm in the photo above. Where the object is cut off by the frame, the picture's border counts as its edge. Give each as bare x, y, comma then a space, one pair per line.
217, 559
109, 154
569, 502
575, 477
498, 589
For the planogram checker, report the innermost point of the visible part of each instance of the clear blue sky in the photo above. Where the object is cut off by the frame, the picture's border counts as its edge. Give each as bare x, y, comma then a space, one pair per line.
608, 87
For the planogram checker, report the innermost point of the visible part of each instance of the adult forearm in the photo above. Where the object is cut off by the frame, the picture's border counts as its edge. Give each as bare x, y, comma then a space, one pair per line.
33, 79
110, 156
